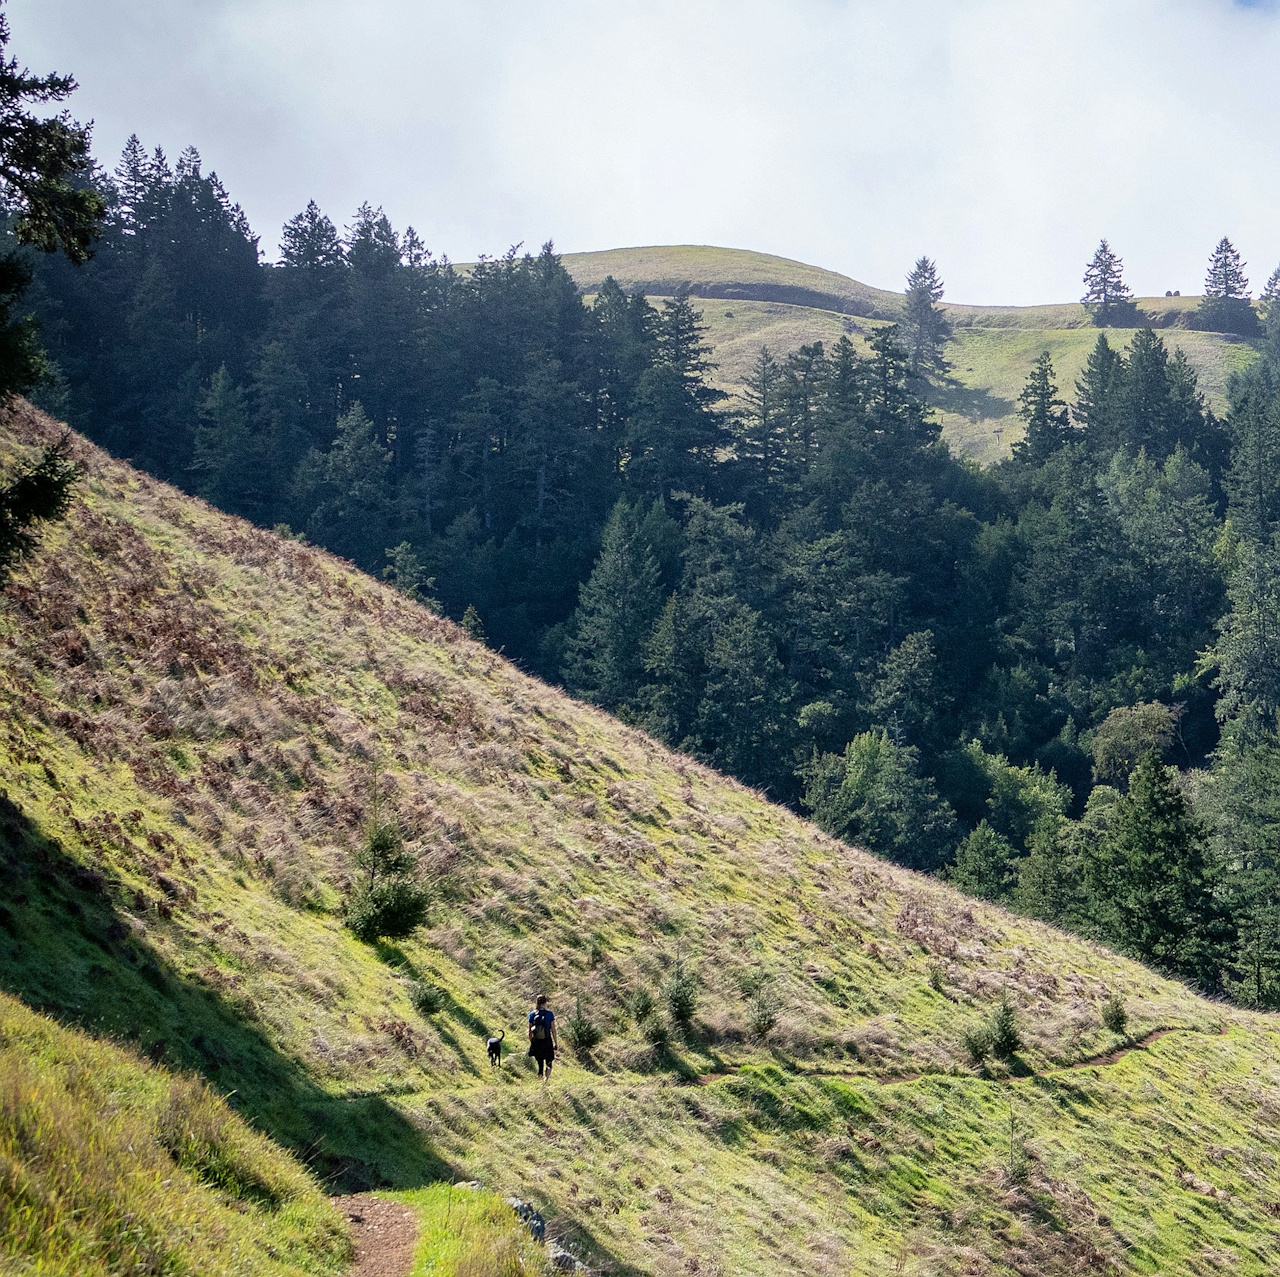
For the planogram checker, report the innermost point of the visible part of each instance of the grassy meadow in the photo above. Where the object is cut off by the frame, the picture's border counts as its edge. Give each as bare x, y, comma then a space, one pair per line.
196, 713
746, 304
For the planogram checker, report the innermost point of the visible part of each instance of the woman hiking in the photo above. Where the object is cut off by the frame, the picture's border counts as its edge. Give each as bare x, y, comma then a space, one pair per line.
542, 1036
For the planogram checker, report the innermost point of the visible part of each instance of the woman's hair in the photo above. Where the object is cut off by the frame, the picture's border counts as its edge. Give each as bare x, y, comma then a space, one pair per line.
541, 1000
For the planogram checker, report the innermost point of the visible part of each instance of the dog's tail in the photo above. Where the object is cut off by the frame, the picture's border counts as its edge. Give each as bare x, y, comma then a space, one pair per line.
502, 1033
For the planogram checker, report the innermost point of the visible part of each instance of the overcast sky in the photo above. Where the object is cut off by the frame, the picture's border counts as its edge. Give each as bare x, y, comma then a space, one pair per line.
1002, 137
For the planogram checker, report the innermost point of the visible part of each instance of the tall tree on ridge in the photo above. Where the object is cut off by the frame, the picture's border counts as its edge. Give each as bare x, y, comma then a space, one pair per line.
924, 329
1226, 307
1106, 296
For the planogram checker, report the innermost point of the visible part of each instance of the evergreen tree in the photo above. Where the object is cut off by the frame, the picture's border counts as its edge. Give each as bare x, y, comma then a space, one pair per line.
39, 495
1106, 296
228, 468
617, 608
984, 864
1047, 420
925, 329
873, 796
1225, 306
1245, 798
1269, 296
344, 495
51, 205
1153, 880
1247, 654
762, 435
1098, 395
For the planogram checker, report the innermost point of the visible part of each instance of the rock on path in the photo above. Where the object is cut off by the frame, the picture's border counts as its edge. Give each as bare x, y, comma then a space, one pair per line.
384, 1234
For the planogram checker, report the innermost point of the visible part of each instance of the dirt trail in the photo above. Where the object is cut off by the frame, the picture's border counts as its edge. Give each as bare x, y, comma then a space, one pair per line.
384, 1234
1110, 1057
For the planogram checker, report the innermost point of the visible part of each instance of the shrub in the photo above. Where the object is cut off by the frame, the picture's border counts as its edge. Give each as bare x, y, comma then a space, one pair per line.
977, 1043
937, 978
1114, 1015
583, 1033
657, 1032
427, 999
640, 1004
1002, 1029
762, 1012
681, 993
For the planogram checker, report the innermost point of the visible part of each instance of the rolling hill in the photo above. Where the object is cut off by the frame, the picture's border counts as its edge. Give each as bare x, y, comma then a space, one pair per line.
754, 299
196, 716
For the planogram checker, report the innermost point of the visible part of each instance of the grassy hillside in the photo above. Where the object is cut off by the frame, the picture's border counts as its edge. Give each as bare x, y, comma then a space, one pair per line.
753, 299
194, 715
109, 1164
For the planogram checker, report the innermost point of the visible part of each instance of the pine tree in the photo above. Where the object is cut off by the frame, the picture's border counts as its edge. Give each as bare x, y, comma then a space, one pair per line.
1048, 422
1098, 394
310, 241
1270, 296
1106, 296
617, 608
49, 203
1225, 307
344, 495
227, 467
762, 434
924, 328
984, 864
873, 796
1153, 880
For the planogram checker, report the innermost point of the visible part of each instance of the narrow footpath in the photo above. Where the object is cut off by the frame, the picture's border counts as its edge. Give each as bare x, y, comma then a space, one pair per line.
384, 1233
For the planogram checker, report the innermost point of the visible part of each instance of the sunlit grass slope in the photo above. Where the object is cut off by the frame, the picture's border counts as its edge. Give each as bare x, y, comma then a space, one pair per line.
749, 300
194, 711
109, 1165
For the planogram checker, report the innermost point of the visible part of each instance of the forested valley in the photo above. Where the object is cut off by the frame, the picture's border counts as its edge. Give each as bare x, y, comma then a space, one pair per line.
1054, 681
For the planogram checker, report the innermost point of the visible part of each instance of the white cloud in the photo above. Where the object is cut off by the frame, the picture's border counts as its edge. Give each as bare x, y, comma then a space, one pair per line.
1003, 137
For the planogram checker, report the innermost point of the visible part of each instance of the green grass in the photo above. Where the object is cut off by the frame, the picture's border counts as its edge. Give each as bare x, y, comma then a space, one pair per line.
468, 1232
192, 713
752, 299
111, 1165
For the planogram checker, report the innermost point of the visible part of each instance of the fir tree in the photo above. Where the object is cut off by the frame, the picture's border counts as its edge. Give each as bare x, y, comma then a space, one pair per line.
48, 200
310, 241
1225, 306
1098, 393
924, 328
617, 608
1153, 880
1047, 420
873, 796
984, 864
1106, 296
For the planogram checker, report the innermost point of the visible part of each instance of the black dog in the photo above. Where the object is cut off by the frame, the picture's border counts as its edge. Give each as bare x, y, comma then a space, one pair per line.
495, 1049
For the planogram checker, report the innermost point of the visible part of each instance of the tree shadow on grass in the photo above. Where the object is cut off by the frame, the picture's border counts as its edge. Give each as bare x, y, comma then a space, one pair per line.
68, 951
970, 402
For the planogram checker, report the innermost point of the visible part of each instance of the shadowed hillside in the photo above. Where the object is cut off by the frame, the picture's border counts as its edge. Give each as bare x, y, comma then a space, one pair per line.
754, 299
196, 715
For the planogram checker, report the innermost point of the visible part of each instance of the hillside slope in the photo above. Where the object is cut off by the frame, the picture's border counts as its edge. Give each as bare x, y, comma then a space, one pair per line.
111, 1165
195, 712
753, 299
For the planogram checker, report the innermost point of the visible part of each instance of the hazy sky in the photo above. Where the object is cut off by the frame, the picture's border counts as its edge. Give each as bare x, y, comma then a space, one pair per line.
1002, 137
